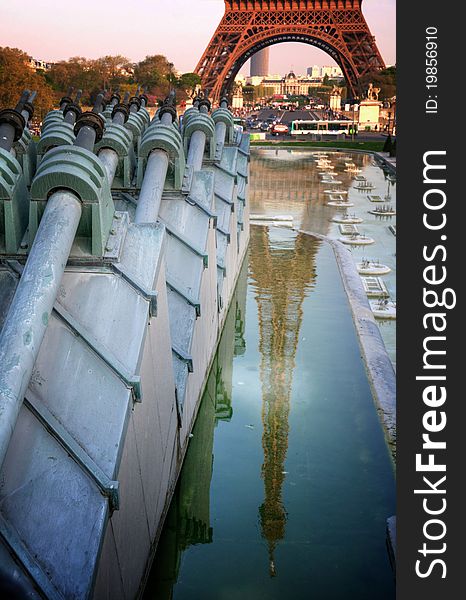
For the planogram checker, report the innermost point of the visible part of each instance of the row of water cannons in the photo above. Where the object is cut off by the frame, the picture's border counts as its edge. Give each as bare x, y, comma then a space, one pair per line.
57, 194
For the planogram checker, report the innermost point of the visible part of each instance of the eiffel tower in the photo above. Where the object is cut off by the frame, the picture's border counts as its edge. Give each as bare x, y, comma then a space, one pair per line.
336, 26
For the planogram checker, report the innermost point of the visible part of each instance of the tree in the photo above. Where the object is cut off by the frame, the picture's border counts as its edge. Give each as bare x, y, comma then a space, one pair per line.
387, 147
77, 72
16, 76
112, 70
188, 83
152, 73
384, 79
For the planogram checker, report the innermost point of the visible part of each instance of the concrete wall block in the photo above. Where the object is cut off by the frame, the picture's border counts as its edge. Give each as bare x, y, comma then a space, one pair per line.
158, 402
109, 584
130, 523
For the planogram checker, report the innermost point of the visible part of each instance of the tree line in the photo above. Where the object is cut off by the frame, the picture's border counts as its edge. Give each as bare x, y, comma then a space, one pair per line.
155, 73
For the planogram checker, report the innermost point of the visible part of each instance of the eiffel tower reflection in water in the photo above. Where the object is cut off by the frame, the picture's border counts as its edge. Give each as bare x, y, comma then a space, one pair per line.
282, 273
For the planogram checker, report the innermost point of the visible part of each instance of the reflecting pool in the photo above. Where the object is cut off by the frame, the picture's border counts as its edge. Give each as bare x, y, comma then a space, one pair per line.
287, 483
289, 182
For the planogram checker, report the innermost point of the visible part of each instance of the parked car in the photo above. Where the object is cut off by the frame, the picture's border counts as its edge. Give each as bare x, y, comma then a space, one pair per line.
279, 129
265, 126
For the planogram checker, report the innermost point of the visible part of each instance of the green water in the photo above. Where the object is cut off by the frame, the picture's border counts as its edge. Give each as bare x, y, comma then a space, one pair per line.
287, 483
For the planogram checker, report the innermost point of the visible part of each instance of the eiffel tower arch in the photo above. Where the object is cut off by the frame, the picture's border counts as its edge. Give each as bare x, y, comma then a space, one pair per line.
336, 26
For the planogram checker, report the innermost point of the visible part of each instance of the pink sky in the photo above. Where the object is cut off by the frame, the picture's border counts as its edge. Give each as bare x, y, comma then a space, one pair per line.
179, 29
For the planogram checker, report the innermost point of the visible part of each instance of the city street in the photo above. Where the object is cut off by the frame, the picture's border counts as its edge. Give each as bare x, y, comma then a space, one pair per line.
287, 116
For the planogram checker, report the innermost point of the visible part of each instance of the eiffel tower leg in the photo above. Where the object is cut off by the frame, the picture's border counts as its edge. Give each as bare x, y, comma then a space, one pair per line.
336, 26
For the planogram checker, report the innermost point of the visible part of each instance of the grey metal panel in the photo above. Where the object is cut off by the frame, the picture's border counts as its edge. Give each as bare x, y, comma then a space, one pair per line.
83, 394
202, 188
109, 307
223, 211
220, 286
224, 184
240, 213
180, 370
244, 144
229, 159
184, 267
143, 248
56, 510
182, 320
8, 283
243, 165
222, 246
189, 221
241, 189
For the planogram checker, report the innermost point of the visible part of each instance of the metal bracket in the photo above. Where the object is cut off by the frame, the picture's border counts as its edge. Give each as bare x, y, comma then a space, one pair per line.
227, 171
224, 199
193, 202
225, 233
187, 179
195, 303
117, 236
186, 358
150, 296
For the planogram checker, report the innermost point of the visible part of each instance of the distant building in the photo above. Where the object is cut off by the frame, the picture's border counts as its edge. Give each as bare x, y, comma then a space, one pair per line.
39, 65
333, 72
260, 63
256, 80
289, 85
314, 72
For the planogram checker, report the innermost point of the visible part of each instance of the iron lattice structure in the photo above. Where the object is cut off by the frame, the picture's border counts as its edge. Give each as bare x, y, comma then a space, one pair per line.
336, 26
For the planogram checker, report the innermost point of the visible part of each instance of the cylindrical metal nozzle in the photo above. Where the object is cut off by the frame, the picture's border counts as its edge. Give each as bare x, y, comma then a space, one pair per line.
12, 123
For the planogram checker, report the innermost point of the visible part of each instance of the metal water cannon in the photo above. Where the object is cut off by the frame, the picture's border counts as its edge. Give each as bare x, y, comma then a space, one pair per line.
12, 123
76, 168
66, 99
56, 116
143, 110
193, 110
116, 149
72, 110
71, 202
60, 132
115, 99
14, 198
25, 149
224, 128
161, 146
137, 120
198, 135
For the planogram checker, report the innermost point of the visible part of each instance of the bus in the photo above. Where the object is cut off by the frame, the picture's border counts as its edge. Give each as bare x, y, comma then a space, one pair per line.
324, 127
